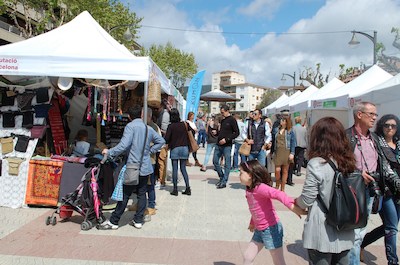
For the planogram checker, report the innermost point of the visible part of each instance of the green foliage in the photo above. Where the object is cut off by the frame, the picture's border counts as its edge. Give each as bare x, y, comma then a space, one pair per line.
178, 66
269, 97
43, 15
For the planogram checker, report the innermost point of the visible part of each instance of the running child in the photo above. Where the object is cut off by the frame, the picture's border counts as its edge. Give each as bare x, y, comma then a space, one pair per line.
264, 222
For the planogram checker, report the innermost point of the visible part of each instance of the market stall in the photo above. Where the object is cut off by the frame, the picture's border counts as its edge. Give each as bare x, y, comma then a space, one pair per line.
80, 50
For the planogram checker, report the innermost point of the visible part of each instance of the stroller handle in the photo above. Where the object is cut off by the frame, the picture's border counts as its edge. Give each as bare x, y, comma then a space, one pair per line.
104, 159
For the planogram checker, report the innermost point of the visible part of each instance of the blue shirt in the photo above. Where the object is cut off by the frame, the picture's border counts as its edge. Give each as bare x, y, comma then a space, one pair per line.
132, 141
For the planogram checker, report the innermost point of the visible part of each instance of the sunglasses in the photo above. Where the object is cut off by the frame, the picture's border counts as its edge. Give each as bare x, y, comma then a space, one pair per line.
388, 125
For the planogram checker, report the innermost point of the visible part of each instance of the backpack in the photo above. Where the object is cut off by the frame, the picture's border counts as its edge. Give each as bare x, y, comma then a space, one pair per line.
348, 205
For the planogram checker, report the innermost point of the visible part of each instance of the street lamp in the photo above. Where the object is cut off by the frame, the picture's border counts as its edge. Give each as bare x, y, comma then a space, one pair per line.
374, 38
283, 79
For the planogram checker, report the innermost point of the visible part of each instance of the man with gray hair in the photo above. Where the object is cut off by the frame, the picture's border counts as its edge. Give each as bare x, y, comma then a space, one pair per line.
370, 160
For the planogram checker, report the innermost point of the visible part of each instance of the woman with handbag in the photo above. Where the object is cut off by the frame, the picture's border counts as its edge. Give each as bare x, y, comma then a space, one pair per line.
193, 129
283, 147
325, 244
389, 142
179, 146
212, 139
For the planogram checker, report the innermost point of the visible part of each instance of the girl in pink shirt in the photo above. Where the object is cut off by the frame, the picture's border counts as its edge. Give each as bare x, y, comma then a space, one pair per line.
264, 222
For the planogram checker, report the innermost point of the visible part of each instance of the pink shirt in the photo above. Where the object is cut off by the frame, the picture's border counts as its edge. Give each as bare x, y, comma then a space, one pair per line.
263, 214
370, 154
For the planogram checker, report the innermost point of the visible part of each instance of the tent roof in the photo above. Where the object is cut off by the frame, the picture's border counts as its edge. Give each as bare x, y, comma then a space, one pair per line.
268, 108
283, 105
303, 97
80, 48
217, 95
385, 92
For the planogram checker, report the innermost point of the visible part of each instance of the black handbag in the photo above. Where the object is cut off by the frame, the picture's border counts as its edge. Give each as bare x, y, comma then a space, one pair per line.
22, 143
348, 206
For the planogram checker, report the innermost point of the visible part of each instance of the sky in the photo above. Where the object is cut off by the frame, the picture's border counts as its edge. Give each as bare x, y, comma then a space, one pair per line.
262, 39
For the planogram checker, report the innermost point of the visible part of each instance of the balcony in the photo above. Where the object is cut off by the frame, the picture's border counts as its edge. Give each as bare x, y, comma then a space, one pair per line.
9, 33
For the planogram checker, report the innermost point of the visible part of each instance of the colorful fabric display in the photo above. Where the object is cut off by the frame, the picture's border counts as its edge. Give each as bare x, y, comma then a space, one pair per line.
42, 110
38, 131
42, 95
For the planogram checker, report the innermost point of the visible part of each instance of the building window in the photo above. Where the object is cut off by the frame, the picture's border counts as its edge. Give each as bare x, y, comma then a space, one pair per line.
241, 96
257, 98
241, 105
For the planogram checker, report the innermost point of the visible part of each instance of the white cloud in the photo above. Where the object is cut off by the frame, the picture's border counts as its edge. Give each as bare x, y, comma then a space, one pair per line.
272, 55
261, 8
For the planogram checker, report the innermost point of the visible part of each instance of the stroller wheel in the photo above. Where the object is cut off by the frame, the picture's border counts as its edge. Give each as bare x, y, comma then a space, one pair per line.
48, 220
86, 225
54, 220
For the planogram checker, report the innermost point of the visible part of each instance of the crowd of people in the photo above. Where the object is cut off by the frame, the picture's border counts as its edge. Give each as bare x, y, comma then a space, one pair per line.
289, 148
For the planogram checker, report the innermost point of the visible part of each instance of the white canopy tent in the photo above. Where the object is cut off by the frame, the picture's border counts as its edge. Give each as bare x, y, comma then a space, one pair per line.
337, 103
303, 98
386, 96
267, 110
80, 48
284, 105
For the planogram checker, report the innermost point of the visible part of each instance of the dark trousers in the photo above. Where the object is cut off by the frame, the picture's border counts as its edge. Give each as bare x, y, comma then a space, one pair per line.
320, 258
298, 158
290, 174
142, 201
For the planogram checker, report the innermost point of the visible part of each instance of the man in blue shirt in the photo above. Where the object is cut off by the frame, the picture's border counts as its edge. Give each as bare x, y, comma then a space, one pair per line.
132, 143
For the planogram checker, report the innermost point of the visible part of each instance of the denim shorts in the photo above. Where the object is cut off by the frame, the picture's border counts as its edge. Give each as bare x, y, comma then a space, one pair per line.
180, 152
271, 237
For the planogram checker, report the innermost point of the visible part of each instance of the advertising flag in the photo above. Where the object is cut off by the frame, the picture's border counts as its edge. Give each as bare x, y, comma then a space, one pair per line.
194, 91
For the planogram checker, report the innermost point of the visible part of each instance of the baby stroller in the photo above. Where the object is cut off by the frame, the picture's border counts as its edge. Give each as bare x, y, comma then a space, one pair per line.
85, 199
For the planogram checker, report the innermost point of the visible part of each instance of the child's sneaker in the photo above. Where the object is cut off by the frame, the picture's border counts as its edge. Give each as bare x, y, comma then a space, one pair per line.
107, 225
136, 225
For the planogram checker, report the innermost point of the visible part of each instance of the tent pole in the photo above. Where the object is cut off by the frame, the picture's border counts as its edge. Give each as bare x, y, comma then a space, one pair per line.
145, 96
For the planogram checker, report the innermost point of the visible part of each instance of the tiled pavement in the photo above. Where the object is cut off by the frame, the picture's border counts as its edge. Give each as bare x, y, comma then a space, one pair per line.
209, 227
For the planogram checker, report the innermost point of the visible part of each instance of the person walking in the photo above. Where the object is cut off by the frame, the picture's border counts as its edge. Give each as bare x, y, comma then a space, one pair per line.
212, 139
202, 134
229, 130
238, 143
194, 130
283, 145
301, 144
264, 223
324, 243
370, 160
389, 141
260, 137
163, 122
178, 142
132, 141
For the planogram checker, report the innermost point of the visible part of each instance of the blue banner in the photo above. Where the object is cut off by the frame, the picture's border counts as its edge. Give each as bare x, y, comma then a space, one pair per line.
193, 95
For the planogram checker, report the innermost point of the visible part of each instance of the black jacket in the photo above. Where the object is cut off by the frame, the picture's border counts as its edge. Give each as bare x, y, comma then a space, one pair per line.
389, 180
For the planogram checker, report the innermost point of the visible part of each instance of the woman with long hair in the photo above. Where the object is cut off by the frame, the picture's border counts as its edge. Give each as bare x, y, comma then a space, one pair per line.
178, 142
325, 244
193, 129
389, 141
283, 147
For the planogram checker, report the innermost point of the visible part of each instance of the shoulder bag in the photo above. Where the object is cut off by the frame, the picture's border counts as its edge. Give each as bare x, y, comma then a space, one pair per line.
193, 146
132, 170
348, 206
245, 148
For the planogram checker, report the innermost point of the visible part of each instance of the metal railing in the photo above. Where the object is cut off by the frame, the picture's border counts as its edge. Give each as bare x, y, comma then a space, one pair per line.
10, 28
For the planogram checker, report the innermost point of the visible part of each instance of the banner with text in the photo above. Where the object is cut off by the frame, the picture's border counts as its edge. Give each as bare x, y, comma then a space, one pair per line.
194, 91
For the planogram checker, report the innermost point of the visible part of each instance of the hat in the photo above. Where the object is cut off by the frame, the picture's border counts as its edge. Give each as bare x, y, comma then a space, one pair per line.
65, 83
285, 112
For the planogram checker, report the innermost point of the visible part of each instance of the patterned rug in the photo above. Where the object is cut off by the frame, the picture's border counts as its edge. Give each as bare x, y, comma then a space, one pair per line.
43, 182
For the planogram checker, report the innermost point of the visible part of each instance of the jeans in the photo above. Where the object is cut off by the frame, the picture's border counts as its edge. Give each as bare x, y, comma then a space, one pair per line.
298, 158
209, 149
260, 156
236, 156
359, 233
202, 137
142, 201
182, 163
320, 258
224, 151
151, 193
390, 215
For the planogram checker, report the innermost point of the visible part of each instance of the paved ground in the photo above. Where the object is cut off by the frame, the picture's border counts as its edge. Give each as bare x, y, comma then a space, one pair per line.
209, 227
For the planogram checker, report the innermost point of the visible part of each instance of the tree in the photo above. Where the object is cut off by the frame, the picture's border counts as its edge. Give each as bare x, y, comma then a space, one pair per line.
39, 16
391, 63
314, 76
269, 97
177, 65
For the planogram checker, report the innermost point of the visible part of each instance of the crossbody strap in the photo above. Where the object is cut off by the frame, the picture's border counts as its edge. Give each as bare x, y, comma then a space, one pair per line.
335, 169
